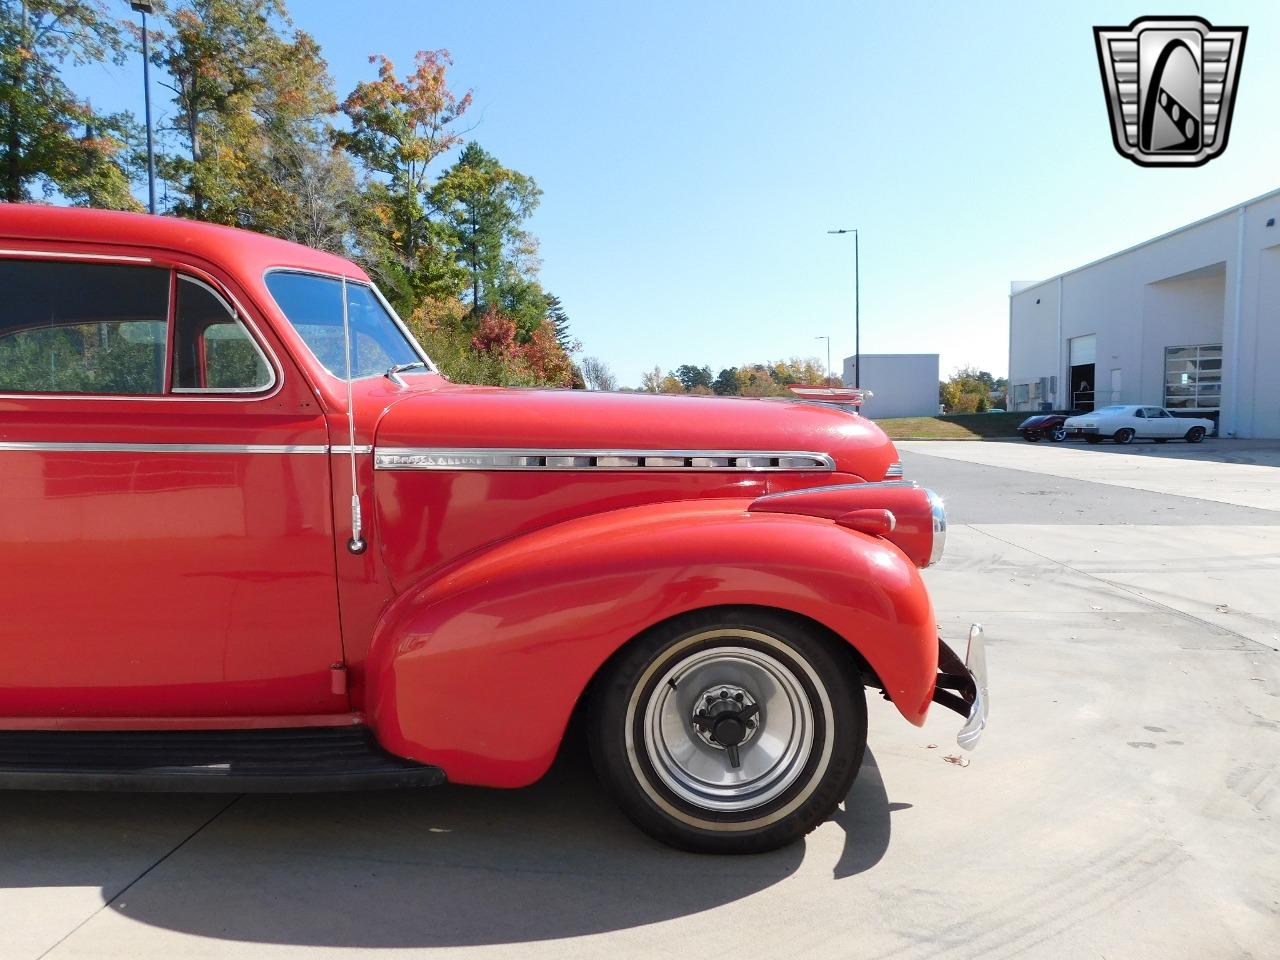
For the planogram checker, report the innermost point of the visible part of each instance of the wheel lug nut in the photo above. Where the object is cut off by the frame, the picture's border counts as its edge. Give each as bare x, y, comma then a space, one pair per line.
724, 694
738, 697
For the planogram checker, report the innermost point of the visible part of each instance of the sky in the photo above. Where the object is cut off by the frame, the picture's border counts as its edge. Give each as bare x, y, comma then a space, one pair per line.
692, 156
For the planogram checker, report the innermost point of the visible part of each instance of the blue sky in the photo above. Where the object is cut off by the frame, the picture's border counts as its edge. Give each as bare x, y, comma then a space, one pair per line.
694, 154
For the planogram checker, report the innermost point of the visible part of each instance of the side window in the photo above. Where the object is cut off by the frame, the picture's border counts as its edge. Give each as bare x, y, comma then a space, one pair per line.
1140, 413
212, 350
75, 327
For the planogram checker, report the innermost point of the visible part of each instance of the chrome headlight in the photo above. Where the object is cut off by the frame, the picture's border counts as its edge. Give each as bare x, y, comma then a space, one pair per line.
939, 512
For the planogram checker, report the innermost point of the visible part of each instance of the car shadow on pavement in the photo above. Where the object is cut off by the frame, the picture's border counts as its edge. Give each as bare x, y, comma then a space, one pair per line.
452, 866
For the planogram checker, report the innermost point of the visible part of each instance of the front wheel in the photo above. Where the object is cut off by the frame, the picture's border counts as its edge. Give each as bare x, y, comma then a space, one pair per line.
1058, 434
728, 731
1195, 434
1125, 435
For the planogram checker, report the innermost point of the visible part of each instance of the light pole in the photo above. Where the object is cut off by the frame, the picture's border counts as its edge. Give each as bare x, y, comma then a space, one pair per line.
828, 339
144, 7
857, 338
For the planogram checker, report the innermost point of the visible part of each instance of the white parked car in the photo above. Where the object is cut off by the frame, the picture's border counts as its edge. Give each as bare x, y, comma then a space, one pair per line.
1124, 424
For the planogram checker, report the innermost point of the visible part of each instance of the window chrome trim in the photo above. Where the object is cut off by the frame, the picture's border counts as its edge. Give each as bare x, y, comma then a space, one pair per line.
395, 318
236, 318
174, 265
273, 448
59, 255
593, 461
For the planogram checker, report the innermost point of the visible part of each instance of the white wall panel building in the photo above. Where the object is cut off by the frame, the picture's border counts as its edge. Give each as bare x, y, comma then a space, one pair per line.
902, 384
1189, 321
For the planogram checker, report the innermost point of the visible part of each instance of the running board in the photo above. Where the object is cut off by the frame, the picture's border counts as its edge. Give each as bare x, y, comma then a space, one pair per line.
314, 759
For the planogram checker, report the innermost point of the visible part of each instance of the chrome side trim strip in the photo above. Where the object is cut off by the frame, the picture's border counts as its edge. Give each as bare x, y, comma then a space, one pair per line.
29, 447
63, 255
878, 484
686, 461
348, 449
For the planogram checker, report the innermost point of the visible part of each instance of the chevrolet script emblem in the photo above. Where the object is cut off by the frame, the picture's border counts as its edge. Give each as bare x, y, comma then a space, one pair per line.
1170, 84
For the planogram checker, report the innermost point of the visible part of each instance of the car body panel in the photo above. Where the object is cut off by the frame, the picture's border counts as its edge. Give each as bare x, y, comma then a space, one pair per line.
174, 581
478, 669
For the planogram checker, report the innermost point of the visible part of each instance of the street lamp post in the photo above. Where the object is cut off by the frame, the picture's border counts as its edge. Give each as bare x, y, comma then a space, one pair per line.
144, 7
828, 339
857, 338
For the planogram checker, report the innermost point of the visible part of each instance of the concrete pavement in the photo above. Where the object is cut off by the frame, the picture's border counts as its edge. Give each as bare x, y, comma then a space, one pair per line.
1123, 804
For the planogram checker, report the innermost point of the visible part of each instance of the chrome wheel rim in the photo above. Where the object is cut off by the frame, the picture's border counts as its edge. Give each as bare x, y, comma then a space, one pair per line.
773, 752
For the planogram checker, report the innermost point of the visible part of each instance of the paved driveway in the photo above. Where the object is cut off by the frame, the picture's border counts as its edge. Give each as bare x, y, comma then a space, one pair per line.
1123, 805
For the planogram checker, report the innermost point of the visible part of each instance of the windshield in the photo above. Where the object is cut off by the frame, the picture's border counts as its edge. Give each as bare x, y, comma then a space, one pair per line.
313, 306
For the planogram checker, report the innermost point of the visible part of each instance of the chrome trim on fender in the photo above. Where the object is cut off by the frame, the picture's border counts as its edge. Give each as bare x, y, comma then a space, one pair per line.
348, 449
894, 471
31, 447
939, 512
691, 461
879, 484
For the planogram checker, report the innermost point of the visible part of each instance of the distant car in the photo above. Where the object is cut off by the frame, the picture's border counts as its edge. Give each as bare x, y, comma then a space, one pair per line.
1044, 426
1124, 424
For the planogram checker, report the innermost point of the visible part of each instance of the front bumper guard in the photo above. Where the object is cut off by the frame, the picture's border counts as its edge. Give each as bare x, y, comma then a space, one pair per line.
962, 686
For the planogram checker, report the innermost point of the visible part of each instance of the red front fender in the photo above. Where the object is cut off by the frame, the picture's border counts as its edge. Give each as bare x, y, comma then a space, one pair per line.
478, 669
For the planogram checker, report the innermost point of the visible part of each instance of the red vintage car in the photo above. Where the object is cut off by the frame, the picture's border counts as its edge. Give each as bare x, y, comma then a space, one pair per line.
253, 540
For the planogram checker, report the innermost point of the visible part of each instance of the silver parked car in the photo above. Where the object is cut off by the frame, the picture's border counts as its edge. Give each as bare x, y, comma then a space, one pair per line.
1126, 423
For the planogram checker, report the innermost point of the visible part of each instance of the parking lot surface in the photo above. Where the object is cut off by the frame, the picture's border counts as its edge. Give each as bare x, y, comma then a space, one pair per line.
1123, 803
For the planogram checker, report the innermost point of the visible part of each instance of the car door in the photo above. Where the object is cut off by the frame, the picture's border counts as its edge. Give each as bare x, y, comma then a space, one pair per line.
1138, 422
166, 531
1160, 423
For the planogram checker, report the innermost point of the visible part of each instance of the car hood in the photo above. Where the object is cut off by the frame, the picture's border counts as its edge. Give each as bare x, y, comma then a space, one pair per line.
455, 417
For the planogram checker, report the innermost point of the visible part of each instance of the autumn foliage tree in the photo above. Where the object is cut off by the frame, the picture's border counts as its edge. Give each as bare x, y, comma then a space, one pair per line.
250, 141
51, 141
254, 141
399, 128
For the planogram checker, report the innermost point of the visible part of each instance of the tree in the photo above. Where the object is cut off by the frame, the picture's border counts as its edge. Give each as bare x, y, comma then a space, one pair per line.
651, 382
968, 391
252, 108
691, 376
486, 205
50, 140
726, 384
540, 361
399, 127
670, 384
597, 374
559, 321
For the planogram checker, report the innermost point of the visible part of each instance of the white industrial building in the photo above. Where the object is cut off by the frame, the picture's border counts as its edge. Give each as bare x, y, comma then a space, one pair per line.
902, 384
1189, 320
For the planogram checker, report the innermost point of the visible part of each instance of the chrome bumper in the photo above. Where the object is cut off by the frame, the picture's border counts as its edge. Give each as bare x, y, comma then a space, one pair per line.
962, 686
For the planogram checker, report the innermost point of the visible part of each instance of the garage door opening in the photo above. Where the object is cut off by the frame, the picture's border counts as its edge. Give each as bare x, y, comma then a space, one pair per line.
1083, 383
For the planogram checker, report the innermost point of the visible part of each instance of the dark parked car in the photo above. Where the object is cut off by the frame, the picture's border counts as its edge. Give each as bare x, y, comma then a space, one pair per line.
1044, 426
